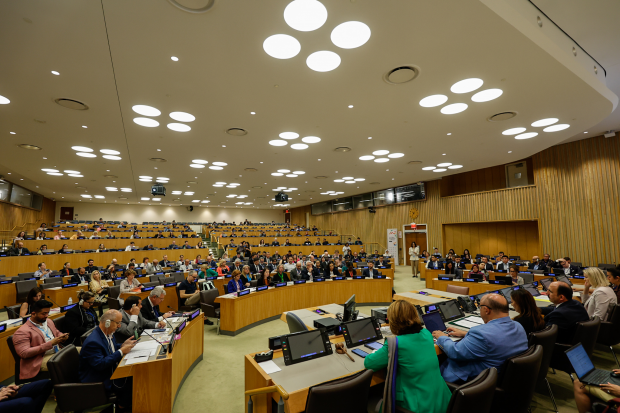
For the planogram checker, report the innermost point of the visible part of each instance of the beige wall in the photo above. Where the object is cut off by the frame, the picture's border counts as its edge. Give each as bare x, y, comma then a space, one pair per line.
142, 213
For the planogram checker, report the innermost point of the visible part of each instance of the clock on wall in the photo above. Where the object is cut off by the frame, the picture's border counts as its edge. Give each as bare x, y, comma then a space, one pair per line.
414, 213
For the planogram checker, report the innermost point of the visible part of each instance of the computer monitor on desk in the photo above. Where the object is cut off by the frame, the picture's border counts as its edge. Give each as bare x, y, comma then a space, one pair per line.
349, 310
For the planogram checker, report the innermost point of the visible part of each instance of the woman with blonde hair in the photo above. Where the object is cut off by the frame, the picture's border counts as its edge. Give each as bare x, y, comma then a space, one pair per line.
100, 289
222, 268
77, 235
597, 303
419, 385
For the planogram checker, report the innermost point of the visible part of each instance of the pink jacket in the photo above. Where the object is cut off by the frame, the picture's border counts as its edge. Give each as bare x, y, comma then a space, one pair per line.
30, 346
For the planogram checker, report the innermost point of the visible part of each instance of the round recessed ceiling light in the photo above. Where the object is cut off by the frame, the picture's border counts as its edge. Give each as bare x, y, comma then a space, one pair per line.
381, 152
513, 131
67, 171
200, 161
278, 142
220, 164
146, 110
163, 178
428, 168
311, 139
216, 168
55, 173
49, 170
439, 170
196, 165
455, 167
145, 180
182, 116
305, 15
544, 122
179, 127
281, 46
145, 177
299, 146
396, 155
112, 157
347, 178
299, 172
487, 95
220, 183
86, 155
433, 100
289, 135
454, 108
367, 158
338, 180
382, 160
55, 72
349, 182
4, 101
174, 58
81, 149
276, 174
323, 61
442, 165
359, 179
284, 171
350, 35
109, 152
218, 186
556, 128
76, 175
466, 85
527, 135
149, 123
292, 175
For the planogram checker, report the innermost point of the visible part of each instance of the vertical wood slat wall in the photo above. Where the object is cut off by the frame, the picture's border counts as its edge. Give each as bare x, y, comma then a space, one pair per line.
575, 198
14, 216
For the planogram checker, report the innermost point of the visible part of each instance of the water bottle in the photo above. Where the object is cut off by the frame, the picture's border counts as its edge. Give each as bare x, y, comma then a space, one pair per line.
70, 301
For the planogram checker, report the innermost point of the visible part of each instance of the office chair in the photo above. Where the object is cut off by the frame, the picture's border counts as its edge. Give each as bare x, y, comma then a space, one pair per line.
346, 394
113, 301
527, 278
208, 305
457, 289
23, 288
12, 311
56, 284
42, 374
84, 336
546, 339
609, 333
61, 324
475, 396
295, 324
586, 334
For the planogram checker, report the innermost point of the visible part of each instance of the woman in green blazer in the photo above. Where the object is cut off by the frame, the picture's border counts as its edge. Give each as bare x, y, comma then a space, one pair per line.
419, 385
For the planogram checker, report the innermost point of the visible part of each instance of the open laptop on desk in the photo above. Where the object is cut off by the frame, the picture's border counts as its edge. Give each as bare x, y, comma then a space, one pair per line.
585, 369
434, 322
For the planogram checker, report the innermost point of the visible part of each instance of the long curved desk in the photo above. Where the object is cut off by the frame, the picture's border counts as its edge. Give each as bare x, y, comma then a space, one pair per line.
238, 314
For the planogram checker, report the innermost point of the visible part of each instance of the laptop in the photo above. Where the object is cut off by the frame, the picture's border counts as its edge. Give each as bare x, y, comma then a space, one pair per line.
585, 369
433, 322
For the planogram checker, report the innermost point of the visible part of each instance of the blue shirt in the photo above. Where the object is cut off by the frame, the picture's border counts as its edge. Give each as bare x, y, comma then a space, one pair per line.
484, 346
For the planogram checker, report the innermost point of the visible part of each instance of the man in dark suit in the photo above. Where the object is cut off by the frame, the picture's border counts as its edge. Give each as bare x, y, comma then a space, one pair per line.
297, 271
370, 270
485, 264
18, 249
358, 241
101, 354
547, 263
237, 266
310, 272
535, 264
566, 312
380, 262
275, 243
165, 263
159, 235
433, 264
173, 246
568, 268
458, 264
80, 277
150, 305
255, 267
504, 265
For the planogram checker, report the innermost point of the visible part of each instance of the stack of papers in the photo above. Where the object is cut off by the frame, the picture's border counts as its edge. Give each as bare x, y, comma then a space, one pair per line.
469, 322
269, 367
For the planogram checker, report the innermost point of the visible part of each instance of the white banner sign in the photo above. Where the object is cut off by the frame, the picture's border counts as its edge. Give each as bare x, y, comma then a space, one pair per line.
392, 243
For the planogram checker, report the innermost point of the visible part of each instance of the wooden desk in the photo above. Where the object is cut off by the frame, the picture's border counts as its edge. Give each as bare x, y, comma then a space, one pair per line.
170, 300
238, 314
474, 288
117, 243
305, 250
156, 382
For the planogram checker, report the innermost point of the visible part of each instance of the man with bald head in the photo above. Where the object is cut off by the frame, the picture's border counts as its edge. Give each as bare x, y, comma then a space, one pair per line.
483, 346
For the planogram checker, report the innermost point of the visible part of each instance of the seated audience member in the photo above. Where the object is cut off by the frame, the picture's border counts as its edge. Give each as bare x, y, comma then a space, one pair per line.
99, 289
484, 346
150, 305
34, 294
451, 270
188, 291
186, 266
331, 271
290, 265
130, 283
42, 249
307, 242
547, 263
135, 235
43, 271
476, 273
280, 275
419, 385
91, 266
566, 313
222, 268
18, 249
309, 273
597, 303
66, 270
131, 246
100, 356
133, 321
235, 285
297, 271
504, 265
358, 241
485, 265
381, 262
109, 235
237, 266
166, 264
264, 279
80, 276
534, 264
101, 248
37, 340
348, 270
77, 235
246, 275
132, 263
605, 393
569, 269
206, 271
514, 273
613, 276
28, 398
433, 264
81, 318
174, 245
370, 271
458, 264
59, 235
530, 316
466, 257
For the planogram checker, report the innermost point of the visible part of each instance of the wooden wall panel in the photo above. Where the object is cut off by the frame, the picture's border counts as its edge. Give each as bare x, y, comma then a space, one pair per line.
15, 218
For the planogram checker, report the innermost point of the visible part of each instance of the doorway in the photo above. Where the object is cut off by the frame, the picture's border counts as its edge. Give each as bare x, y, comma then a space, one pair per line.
419, 238
66, 213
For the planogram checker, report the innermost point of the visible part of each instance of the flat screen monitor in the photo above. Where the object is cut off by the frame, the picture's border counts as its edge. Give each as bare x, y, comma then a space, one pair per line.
564, 278
546, 282
305, 345
359, 332
450, 310
532, 289
349, 309
433, 322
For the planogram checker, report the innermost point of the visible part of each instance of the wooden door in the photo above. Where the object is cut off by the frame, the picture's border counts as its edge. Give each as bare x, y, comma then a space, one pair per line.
66, 213
419, 238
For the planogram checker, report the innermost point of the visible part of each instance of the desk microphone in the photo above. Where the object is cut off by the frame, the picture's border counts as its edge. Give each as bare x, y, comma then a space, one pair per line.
160, 343
167, 322
49, 298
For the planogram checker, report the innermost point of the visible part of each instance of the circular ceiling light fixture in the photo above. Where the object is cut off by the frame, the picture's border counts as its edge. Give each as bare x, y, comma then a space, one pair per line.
305, 15
174, 58
396, 155
380, 152
289, 135
527, 135
439, 170
323, 61
443, 165
149, 123
31, 147
428, 168
338, 180
200, 161
112, 157
4, 101
278, 142
556, 128
109, 152
284, 171
367, 158
466, 85
216, 168
146, 110
299, 146
433, 100
76, 175
513, 131
382, 160
50, 170
55, 73
311, 139
299, 172
292, 175
487, 95
276, 174
350, 35
220, 164
544, 122
81, 149
179, 127
281, 46
454, 108
86, 155
182, 116
455, 167
67, 171
196, 165
55, 173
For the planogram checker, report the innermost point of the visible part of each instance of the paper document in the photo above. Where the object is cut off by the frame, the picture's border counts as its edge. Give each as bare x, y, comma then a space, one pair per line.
269, 367
173, 319
465, 323
146, 345
478, 320
137, 353
136, 360
542, 298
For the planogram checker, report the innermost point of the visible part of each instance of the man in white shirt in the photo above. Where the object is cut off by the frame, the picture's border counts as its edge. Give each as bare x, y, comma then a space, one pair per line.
131, 246
186, 266
131, 261
42, 272
504, 265
290, 265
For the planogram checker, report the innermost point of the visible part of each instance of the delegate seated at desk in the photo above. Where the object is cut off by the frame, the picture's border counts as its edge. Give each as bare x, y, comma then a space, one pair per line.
566, 313
132, 320
100, 356
150, 305
433, 264
370, 270
80, 276
484, 346
235, 285
187, 290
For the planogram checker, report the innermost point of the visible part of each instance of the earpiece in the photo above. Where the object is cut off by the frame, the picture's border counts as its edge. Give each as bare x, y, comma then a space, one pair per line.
107, 323
81, 302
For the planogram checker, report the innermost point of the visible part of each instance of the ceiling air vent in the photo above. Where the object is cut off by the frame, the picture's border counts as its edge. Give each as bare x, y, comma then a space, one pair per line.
236, 132
158, 160
320, 177
28, 146
401, 75
71, 104
498, 117
251, 170
342, 149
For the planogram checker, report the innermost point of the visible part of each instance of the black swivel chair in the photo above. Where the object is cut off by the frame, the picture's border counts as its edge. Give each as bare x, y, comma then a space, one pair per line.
346, 394
475, 396
113, 300
609, 333
295, 324
546, 339
208, 305
84, 336
586, 334
23, 288
12, 311
61, 324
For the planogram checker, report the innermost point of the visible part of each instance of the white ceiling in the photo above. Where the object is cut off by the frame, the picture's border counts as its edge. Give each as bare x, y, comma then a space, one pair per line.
113, 55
